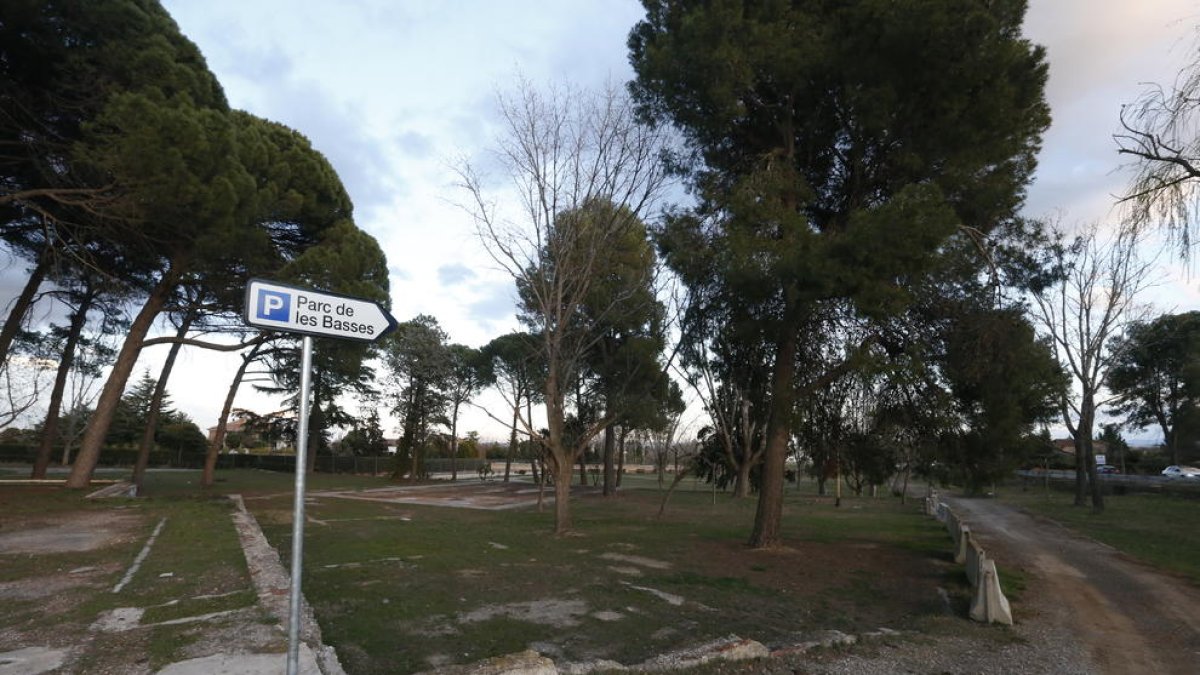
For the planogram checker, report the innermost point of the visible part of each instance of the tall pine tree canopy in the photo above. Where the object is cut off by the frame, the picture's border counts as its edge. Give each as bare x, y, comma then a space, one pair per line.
63, 67
1156, 377
120, 141
834, 148
838, 144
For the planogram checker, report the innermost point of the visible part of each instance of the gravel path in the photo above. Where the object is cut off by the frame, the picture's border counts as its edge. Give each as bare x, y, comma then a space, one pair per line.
1086, 609
1129, 617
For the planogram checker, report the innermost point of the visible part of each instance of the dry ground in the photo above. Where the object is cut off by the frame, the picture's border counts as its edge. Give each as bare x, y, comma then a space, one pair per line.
1083, 608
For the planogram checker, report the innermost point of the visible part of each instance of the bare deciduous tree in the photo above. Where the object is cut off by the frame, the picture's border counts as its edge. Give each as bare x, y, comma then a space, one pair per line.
1161, 134
562, 151
1092, 303
22, 381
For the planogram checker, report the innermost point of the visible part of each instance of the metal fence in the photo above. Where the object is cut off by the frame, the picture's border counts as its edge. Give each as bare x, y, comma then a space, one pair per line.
176, 459
1115, 483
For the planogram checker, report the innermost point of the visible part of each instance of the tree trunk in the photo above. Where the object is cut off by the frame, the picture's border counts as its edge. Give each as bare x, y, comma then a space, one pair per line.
741, 488
621, 454
1169, 439
1080, 474
454, 444
69, 439
662, 508
512, 446
218, 441
65, 362
114, 386
768, 518
540, 480
160, 390
562, 492
405, 446
558, 453
1083, 445
20, 306
1093, 478
316, 427
837, 481
610, 452
418, 459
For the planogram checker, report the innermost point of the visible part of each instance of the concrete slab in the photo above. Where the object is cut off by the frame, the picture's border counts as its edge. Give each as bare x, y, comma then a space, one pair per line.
31, 661
243, 664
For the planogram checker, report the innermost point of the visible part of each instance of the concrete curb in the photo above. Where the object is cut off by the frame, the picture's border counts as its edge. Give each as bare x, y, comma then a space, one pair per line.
988, 604
272, 584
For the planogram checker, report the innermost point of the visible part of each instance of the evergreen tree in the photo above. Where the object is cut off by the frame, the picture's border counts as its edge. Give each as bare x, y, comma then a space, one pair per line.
348, 261
512, 366
837, 147
626, 320
134, 409
366, 438
465, 375
418, 360
1156, 376
1004, 380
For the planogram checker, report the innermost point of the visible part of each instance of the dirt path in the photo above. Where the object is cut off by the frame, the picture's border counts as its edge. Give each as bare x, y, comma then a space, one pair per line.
1130, 617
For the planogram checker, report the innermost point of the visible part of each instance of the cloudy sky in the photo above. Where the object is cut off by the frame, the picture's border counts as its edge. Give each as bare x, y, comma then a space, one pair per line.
394, 92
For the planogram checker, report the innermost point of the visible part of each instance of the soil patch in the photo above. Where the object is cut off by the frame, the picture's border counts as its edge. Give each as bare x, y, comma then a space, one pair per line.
550, 612
487, 496
78, 531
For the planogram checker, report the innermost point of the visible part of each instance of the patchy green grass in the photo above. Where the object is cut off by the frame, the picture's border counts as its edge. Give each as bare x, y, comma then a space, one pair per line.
199, 605
1158, 529
196, 566
186, 483
401, 588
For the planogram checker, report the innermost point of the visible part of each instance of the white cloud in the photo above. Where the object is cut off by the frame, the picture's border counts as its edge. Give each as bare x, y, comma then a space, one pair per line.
1100, 56
455, 273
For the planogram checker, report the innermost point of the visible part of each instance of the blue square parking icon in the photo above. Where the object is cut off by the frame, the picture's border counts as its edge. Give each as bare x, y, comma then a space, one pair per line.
274, 306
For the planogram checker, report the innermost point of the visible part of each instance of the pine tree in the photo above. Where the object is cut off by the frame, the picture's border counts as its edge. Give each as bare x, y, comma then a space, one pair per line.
837, 146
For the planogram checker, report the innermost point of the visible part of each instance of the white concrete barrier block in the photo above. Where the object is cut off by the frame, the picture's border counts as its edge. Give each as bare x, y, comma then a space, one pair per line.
974, 563
990, 605
961, 543
952, 525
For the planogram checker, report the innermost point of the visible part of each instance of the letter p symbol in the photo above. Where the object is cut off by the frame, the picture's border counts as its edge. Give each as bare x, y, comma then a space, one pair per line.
274, 306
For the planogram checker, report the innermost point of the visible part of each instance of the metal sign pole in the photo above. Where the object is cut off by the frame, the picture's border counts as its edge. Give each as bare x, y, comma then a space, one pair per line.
293, 656
274, 306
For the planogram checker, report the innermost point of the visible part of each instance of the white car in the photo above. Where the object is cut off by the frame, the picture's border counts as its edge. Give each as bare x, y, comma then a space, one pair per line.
1176, 471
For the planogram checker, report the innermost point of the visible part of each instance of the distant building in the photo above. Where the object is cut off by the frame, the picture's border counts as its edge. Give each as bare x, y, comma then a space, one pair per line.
1067, 446
254, 429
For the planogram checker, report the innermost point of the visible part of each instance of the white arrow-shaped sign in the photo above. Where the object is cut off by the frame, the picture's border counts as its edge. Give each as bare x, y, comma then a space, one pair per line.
291, 309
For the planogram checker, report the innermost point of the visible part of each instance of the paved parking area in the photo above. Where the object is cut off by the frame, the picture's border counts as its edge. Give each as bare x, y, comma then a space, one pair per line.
485, 495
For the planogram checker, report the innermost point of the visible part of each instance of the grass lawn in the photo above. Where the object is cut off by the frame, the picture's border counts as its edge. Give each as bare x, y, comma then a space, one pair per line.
195, 567
1158, 529
185, 483
402, 588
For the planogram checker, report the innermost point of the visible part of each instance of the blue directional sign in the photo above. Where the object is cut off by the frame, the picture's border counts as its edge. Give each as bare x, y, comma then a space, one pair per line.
292, 309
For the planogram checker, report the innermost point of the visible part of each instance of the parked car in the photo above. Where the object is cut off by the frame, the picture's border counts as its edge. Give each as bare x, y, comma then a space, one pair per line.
1176, 471
1107, 468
